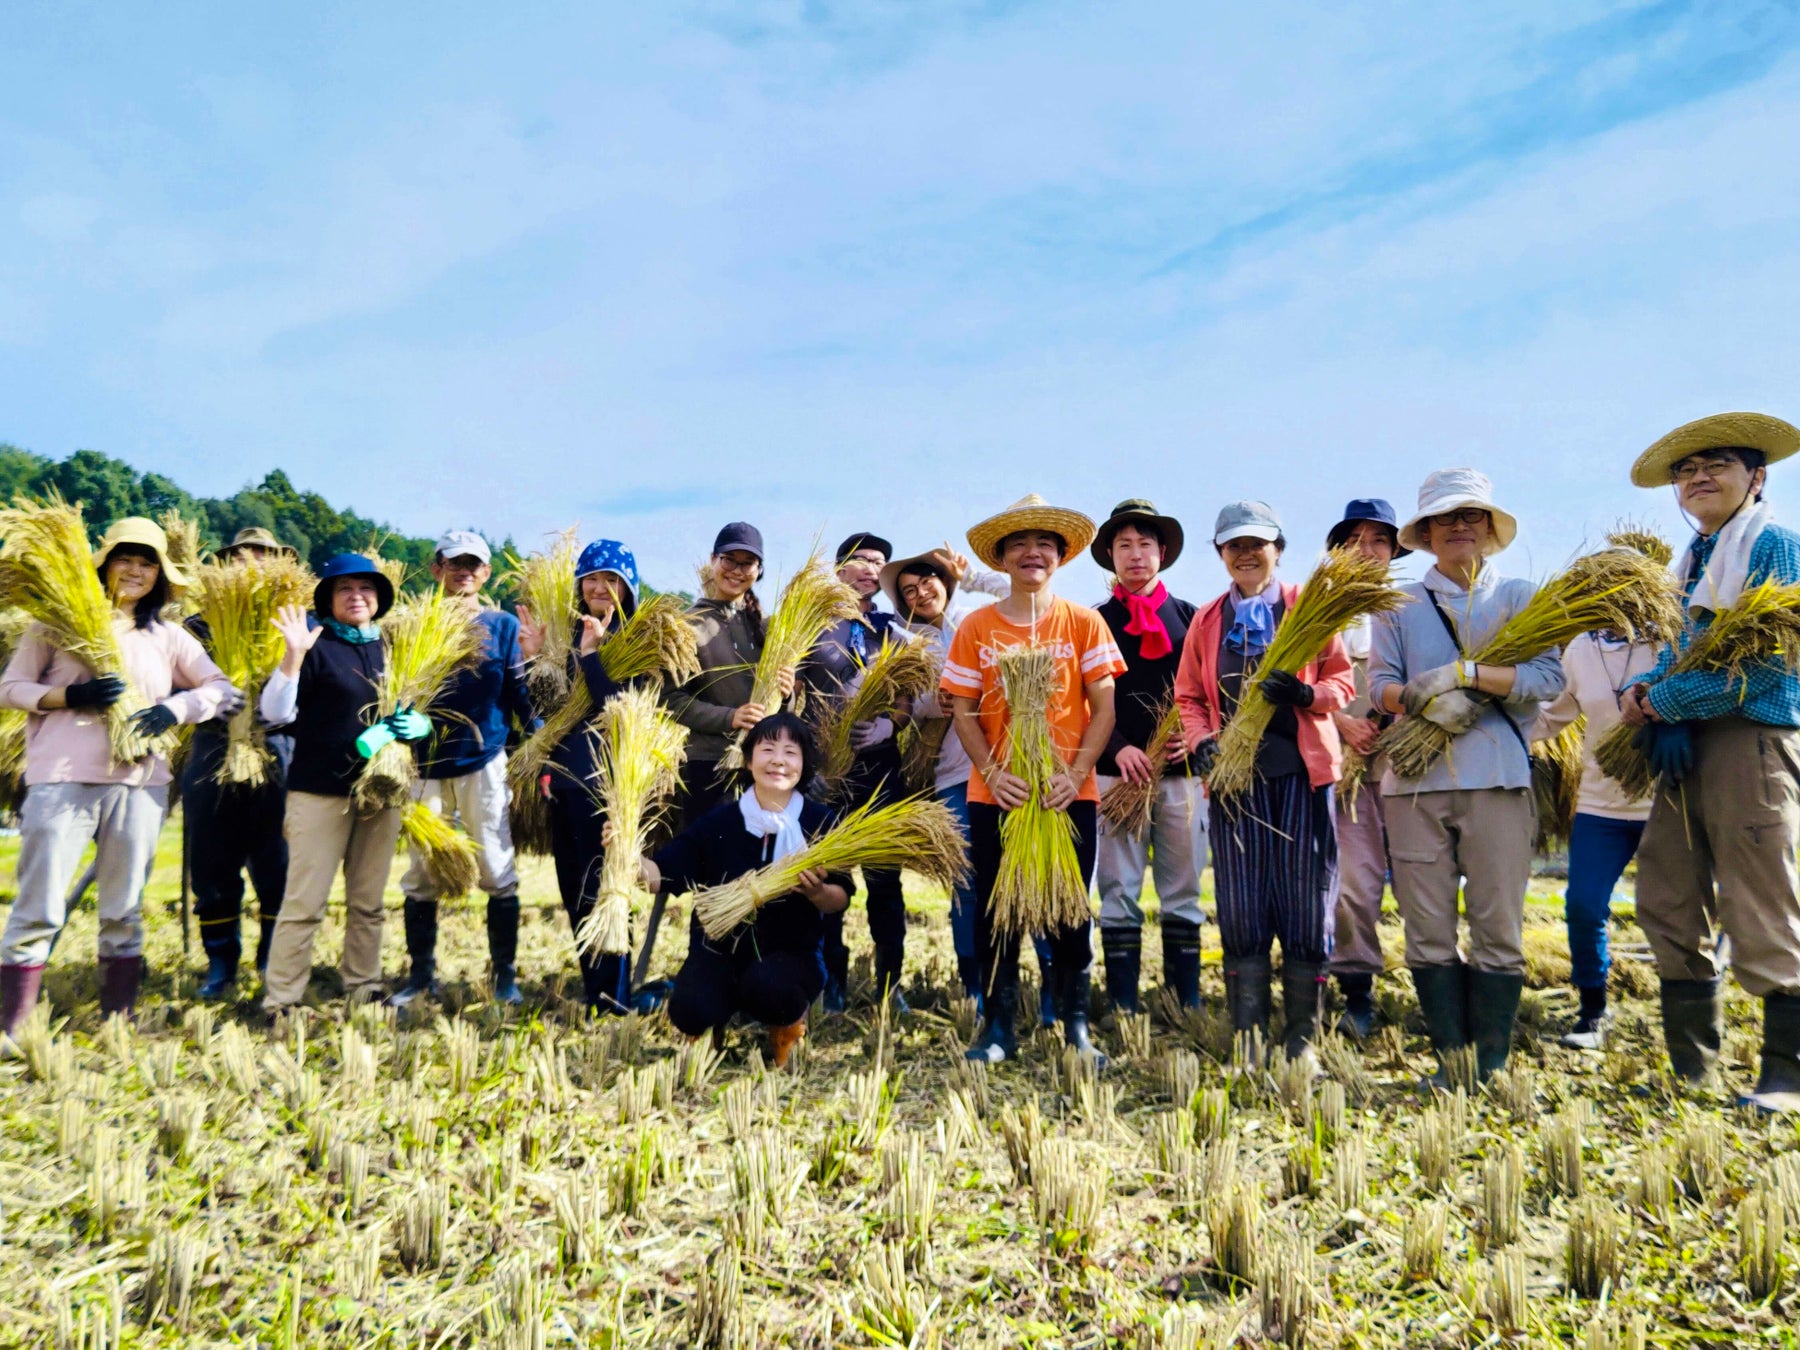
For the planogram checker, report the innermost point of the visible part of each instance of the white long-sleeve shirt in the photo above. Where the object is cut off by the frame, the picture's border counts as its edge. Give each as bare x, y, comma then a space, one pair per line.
954, 765
1596, 669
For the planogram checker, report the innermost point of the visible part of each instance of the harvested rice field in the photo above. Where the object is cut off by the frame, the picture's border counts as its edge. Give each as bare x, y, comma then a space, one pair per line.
467, 1176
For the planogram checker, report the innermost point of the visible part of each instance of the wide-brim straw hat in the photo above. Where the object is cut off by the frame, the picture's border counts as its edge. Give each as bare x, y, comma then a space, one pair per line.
1452, 490
144, 533
1137, 511
1030, 512
1775, 438
255, 536
937, 559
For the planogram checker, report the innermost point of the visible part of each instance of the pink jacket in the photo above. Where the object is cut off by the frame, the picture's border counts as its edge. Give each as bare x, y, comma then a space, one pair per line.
70, 745
1331, 676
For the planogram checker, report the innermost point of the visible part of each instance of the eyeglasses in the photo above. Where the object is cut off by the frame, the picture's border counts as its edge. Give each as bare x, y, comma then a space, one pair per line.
1469, 515
736, 563
1712, 467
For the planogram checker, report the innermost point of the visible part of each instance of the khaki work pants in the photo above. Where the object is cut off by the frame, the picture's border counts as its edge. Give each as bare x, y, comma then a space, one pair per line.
1173, 849
1362, 882
482, 804
1719, 851
1475, 842
324, 833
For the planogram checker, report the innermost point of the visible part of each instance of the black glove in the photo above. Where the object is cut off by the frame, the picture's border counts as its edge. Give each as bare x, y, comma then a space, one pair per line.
1203, 756
101, 692
153, 721
1286, 690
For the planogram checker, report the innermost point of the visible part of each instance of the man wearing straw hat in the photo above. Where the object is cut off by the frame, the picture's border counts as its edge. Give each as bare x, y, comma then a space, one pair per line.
463, 777
1720, 844
1029, 541
1464, 830
1135, 544
228, 829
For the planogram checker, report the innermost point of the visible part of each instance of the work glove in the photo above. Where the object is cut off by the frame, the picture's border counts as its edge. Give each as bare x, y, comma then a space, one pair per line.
867, 735
100, 692
1204, 754
408, 725
375, 739
1287, 690
152, 722
1430, 684
1669, 746
1455, 711
230, 706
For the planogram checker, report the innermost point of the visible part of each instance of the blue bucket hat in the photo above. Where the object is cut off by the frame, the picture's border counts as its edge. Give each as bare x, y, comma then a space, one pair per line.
1377, 511
609, 555
352, 565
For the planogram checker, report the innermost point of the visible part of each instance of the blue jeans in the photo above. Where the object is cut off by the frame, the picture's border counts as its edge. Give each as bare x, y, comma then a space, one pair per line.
962, 902
1599, 848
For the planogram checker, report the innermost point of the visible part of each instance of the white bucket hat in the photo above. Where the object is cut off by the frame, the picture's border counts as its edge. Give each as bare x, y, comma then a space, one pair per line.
1451, 490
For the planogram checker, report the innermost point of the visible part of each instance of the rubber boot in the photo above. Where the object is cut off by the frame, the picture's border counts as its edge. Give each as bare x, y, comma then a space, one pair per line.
221, 968
1046, 992
968, 972
264, 940
1493, 1007
1778, 1086
1248, 982
890, 962
1693, 1018
1181, 960
1358, 1021
503, 946
119, 979
606, 983
19, 987
1302, 983
1072, 999
1123, 951
420, 919
997, 1040
782, 1041
1444, 1000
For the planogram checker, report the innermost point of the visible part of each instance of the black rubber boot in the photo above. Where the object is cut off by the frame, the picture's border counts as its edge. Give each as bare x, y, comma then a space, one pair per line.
1072, 1000
1693, 1018
420, 919
503, 946
1778, 1086
1493, 1007
221, 967
1358, 1021
1248, 981
1046, 993
1302, 983
120, 977
1444, 1000
1181, 960
263, 941
890, 963
1123, 951
997, 1040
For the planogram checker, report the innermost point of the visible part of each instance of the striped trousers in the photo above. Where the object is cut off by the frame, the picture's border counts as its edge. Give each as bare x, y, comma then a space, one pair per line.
1275, 865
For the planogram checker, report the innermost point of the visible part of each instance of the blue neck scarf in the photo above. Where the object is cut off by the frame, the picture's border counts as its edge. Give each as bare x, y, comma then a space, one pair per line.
1252, 626
355, 636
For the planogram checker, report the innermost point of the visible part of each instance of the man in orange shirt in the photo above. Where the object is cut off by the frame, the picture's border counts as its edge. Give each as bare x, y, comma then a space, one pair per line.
1029, 541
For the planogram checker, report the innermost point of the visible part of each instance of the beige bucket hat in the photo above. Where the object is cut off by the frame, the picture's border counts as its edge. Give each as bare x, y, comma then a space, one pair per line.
255, 536
1030, 512
1452, 490
145, 534
1722, 431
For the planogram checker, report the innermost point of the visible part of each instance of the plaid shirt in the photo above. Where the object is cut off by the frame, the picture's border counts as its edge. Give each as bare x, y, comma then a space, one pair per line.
1766, 692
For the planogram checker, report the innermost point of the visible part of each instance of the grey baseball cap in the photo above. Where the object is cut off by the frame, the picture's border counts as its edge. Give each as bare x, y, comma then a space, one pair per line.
464, 544
1247, 520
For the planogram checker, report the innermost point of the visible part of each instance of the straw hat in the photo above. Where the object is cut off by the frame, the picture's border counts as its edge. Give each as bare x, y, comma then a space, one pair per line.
936, 560
1722, 431
1030, 512
1451, 490
143, 533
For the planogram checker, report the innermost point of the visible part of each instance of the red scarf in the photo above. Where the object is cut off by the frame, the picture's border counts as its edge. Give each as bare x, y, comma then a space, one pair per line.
1145, 623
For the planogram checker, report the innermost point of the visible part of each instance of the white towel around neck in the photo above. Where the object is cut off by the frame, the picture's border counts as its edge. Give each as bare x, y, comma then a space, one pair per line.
784, 825
1728, 570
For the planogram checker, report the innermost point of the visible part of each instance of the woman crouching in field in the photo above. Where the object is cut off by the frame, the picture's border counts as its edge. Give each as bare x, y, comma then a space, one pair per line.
772, 967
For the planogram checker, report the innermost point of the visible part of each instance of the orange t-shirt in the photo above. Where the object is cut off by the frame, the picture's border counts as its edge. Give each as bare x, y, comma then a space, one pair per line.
1084, 649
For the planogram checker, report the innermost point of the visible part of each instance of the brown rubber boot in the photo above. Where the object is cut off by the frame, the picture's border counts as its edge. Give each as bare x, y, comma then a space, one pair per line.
782, 1041
19, 987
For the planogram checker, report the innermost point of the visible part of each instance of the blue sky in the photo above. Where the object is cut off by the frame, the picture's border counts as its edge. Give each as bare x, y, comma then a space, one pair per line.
893, 264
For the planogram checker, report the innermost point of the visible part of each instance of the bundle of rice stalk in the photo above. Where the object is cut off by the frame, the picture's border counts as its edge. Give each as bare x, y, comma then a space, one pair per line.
811, 602
656, 643
921, 742
1350, 781
1764, 625
1342, 588
429, 638
239, 598
1556, 784
899, 670
1616, 589
448, 855
183, 536
917, 834
1643, 539
391, 568
47, 570
544, 584
1127, 805
1039, 885
637, 754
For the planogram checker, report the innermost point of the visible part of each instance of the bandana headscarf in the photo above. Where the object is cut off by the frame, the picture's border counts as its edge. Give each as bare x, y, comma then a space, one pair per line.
784, 825
1145, 623
1252, 626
